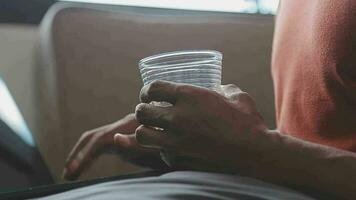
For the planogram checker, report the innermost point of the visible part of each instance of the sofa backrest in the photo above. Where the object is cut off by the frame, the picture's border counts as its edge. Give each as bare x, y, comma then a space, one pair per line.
88, 76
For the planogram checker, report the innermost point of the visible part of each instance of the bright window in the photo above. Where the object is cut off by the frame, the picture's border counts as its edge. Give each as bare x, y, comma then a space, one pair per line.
240, 6
10, 114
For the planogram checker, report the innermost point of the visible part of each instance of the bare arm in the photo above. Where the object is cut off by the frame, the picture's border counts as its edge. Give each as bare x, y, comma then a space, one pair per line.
307, 165
228, 132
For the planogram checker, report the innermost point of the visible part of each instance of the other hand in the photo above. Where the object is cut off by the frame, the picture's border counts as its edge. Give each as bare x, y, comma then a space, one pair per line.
117, 137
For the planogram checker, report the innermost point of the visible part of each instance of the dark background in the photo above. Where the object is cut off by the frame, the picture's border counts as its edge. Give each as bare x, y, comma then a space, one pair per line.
23, 11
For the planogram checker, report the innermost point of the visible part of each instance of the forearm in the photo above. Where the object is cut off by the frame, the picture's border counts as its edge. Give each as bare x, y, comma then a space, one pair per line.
227, 131
300, 164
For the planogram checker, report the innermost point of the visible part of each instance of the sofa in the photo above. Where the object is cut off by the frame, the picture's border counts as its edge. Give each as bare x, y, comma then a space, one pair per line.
86, 71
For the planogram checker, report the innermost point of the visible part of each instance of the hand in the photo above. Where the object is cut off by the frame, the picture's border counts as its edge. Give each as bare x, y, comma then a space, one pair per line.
117, 137
201, 123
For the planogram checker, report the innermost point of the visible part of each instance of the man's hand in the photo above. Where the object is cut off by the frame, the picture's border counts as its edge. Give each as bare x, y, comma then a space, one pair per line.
201, 123
117, 137
228, 132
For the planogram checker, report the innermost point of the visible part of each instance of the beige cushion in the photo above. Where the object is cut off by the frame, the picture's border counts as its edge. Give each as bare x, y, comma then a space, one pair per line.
88, 76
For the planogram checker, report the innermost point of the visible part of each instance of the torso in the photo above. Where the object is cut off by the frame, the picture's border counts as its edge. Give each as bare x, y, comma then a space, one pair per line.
314, 71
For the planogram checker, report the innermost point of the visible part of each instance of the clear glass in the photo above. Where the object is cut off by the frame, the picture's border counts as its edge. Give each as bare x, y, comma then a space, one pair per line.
200, 68
196, 67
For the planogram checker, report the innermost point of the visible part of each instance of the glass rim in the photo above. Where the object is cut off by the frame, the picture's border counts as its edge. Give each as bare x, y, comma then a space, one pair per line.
179, 53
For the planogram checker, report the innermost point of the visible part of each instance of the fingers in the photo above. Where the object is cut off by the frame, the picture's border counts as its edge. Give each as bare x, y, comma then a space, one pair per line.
83, 140
72, 164
157, 116
159, 91
126, 125
82, 160
127, 141
154, 138
241, 99
137, 154
244, 101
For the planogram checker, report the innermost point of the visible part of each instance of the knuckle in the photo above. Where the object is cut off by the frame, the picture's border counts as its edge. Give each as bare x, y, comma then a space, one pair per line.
231, 88
140, 111
245, 98
235, 88
154, 84
153, 87
149, 90
139, 129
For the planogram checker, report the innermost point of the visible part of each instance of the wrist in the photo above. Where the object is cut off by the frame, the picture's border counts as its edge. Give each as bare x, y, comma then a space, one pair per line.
268, 154
248, 155
283, 160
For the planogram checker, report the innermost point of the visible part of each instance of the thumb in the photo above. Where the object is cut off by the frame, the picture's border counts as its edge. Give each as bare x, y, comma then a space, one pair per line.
126, 141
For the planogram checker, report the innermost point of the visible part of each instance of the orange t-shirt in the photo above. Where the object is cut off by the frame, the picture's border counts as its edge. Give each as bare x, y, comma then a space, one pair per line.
314, 71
